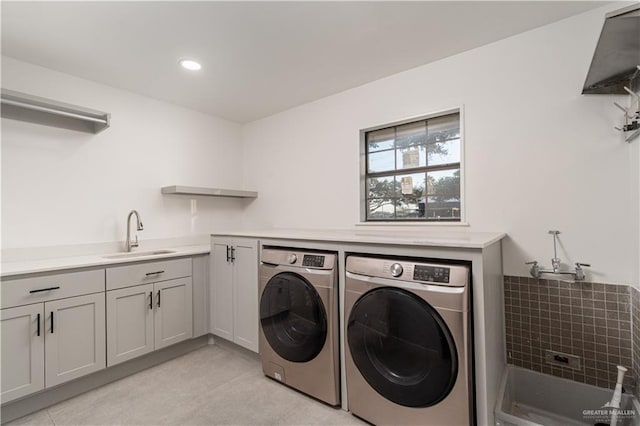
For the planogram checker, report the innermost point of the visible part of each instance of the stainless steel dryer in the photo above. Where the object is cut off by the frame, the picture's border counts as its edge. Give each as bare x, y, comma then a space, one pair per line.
299, 321
408, 356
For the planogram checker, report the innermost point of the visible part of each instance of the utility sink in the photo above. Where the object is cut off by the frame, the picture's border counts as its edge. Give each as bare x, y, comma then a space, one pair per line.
138, 254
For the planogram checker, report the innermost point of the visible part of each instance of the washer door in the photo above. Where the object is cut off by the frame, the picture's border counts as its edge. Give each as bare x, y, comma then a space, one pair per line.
293, 317
402, 347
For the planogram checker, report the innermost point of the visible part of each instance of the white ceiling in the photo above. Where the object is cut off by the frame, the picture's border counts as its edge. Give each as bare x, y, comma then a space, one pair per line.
258, 58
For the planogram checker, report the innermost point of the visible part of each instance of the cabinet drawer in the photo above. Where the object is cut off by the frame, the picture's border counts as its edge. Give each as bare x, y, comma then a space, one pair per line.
24, 291
142, 273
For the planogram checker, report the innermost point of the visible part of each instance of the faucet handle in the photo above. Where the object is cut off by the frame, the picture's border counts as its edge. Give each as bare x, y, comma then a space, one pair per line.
579, 274
535, 269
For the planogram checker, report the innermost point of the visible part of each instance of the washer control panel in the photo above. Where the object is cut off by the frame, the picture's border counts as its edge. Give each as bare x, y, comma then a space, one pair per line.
314, 260
436, 274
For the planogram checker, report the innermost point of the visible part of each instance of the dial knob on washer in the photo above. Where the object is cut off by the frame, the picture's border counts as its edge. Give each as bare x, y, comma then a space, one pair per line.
396, 270
293, 258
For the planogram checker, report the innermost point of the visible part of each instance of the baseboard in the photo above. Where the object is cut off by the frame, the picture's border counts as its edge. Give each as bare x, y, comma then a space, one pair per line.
48, 397
217, 340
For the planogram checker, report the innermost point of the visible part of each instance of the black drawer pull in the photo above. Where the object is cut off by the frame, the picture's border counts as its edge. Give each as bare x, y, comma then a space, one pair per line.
38, 332
44, 289
154, 273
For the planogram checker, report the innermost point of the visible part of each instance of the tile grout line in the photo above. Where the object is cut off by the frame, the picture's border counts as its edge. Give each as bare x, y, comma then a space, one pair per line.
50, 417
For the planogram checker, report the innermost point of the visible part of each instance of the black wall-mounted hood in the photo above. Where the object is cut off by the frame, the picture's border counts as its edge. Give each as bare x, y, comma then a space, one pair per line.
617, 56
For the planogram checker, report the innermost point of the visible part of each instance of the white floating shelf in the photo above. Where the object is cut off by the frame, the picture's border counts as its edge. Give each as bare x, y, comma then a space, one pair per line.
34, 109
211, 192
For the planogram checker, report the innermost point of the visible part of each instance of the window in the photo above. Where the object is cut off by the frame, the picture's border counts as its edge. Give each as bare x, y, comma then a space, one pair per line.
412, 171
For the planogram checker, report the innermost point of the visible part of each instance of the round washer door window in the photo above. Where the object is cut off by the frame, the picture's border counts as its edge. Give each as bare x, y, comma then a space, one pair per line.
402, 347
293, 317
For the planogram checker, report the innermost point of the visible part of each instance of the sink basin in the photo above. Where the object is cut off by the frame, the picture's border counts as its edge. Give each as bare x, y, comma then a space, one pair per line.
138, 254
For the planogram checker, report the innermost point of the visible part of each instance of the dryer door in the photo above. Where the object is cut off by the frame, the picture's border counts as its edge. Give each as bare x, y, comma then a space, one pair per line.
293, 317
402, 347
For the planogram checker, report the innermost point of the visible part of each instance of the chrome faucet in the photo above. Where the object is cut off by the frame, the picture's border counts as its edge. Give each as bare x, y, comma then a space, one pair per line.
536, 271
128, 244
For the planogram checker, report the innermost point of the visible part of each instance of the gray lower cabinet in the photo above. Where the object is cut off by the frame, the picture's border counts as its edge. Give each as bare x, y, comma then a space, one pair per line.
173, 317
74, 338
234, 290
143, 318
22, 350
129, 323
45, 344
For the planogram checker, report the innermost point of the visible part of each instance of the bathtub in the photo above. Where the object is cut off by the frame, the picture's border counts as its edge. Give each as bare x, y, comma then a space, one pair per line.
528, 398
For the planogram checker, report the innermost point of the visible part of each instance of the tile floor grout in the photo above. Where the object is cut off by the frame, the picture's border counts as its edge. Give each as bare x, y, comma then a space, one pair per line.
216, 384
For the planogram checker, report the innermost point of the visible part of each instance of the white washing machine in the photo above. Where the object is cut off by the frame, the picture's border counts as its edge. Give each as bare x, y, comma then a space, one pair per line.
409, 347
299, 322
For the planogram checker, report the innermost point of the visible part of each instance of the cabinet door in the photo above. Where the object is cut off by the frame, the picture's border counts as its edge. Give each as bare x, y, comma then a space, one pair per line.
173, 317
245, 293
74, 337
221, 275
22, 365
129, 323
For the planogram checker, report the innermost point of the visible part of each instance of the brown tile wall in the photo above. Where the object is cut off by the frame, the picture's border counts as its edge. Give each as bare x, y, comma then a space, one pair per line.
635, 332
590, 320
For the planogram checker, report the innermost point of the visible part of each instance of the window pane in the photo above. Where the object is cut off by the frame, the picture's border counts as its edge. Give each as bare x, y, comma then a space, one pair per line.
408, 158
443, 207
381, 161
410, 208
443, 152
410, 185
443, 182
380, 139
443, 128
411, 134
380, 208
382, 187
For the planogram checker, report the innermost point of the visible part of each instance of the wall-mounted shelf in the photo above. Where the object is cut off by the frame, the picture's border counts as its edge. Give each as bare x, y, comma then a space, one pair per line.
34, 109
211, 192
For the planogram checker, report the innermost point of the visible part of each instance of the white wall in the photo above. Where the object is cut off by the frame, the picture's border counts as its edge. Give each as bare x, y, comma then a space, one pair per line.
64, 187
539, 155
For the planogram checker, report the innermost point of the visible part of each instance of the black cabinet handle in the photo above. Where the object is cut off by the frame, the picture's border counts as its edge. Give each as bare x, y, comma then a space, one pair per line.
233, 254
151, 300
38, 329
158, 298
44, 289
228, 255
51, 322
154, 273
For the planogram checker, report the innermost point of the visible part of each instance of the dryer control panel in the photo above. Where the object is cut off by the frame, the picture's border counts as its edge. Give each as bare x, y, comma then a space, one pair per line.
431, 273
313, 260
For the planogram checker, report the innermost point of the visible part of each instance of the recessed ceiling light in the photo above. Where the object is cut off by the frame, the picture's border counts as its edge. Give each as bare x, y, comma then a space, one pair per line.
190, 64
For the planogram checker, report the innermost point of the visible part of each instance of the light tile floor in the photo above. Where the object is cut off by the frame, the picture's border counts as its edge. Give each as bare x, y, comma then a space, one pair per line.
215, 385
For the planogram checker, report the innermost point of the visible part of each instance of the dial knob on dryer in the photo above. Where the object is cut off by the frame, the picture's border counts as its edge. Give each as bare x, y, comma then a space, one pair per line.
396, 270
292, 258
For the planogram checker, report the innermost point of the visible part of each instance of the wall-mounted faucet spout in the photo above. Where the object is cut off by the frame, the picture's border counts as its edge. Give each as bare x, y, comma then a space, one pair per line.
128, 244
555, 260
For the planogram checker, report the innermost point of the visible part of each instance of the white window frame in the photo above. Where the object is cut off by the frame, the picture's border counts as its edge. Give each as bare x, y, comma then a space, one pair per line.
363, 173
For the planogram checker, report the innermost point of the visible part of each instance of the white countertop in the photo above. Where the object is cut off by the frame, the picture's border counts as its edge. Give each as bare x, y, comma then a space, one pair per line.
426, 238
70, 262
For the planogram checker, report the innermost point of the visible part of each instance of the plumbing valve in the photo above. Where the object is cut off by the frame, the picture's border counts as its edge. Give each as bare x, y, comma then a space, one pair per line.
535, 269
579, 271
